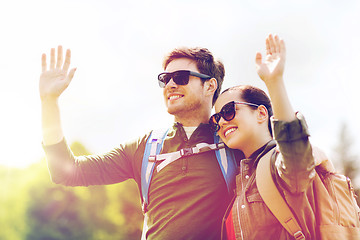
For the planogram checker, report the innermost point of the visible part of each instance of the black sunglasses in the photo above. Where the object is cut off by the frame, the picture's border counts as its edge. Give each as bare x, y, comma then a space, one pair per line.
180, 77
227, 112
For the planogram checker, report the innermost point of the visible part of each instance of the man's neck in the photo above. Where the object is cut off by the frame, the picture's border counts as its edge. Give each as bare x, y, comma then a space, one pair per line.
190, 122
193, 119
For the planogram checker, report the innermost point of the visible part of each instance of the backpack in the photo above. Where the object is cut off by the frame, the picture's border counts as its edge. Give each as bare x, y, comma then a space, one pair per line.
337, 213
224, 155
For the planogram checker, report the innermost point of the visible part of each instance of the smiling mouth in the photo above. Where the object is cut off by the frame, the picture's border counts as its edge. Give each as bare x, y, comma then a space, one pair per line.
230, 130
175, 97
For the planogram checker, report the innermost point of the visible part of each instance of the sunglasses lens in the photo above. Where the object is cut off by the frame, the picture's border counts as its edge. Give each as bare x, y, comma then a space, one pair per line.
181, 78
164, 78
228, 111
161, 84
214, 120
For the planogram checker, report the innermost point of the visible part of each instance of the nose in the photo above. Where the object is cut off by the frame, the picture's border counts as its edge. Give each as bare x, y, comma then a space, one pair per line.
222, 121
171, 84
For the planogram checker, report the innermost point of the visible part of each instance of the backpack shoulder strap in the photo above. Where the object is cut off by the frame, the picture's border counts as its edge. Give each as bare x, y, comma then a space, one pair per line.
273, 199
226, 159
224, 155
153, 147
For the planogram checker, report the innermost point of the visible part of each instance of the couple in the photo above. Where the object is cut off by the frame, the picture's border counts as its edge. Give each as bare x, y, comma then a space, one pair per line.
188, 198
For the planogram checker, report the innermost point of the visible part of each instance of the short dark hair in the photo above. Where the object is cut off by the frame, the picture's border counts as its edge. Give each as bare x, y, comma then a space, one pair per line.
254, 95
205, 62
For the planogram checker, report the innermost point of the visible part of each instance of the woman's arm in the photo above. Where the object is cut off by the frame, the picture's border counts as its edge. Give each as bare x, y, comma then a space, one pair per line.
271, 72
295, 163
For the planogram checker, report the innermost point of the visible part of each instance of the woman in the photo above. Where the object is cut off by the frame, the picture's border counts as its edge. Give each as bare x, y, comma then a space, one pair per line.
242, 120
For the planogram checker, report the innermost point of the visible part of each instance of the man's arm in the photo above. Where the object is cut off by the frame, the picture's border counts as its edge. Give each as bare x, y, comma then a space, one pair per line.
53, 81
119, 164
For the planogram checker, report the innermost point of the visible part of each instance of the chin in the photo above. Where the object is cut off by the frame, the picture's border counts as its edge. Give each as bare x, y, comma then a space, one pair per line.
173, 110
232, 143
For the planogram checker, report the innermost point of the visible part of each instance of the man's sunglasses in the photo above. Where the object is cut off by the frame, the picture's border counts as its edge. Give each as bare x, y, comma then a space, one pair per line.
180, 77
227, 112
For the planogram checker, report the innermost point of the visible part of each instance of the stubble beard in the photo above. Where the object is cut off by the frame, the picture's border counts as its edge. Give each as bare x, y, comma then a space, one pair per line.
185, 111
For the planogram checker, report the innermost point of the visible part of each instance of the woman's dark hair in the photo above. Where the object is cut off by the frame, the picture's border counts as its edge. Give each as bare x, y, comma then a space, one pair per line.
254, 95
205, 62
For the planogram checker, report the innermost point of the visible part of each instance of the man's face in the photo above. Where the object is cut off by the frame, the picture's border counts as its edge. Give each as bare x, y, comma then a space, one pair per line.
181, 100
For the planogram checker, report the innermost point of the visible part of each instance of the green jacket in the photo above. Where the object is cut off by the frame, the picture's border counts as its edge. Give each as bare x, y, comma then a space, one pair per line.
293, 171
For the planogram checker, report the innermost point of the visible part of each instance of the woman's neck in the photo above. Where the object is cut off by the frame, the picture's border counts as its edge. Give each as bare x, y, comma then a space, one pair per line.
252, 146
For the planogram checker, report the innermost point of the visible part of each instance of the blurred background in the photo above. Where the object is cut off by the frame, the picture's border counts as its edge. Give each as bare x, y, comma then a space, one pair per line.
117, 48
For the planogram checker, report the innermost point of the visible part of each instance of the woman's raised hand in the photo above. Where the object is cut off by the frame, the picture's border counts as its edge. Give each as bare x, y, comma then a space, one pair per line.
272, 68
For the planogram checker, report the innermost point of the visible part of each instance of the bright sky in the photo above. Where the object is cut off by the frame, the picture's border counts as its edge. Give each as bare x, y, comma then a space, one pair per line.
118, 46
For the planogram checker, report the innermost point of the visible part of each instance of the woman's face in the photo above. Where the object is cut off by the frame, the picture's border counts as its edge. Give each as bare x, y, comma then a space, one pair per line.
240, 131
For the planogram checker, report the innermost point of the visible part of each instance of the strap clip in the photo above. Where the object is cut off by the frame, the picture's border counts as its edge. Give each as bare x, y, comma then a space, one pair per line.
186, 151
144, 207
152, 158
299, 235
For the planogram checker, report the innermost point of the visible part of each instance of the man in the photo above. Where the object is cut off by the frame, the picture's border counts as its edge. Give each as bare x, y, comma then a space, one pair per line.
187, 198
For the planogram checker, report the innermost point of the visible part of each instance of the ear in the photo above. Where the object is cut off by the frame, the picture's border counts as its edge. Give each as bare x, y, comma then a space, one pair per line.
262, 114
210, 86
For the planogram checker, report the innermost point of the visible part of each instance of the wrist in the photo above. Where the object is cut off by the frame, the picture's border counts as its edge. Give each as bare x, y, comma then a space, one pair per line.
48, 99
274, 83
275, 79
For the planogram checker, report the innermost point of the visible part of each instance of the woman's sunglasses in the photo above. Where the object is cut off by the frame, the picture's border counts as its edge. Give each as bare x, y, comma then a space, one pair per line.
227, 112
180, 77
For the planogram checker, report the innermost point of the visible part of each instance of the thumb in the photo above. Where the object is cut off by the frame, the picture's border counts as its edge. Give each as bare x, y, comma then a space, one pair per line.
70, 75
258, 58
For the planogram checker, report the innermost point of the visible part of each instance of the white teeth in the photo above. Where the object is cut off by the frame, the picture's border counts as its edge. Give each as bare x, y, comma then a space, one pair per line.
229, 131
174, 97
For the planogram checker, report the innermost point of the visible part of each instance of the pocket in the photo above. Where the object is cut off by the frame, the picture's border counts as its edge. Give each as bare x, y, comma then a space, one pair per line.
259, 210
254, 197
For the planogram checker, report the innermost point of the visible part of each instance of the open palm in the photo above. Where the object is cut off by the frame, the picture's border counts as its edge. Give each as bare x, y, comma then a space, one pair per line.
56, 79
273, 67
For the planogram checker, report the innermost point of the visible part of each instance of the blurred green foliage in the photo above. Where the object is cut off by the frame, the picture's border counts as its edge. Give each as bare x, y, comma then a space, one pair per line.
34, 208
346, 160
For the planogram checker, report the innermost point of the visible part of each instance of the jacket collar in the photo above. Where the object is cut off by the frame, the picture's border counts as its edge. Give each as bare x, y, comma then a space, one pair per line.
262, 151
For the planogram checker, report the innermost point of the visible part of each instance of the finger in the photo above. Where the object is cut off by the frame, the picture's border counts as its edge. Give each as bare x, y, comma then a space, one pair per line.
70, 76
258, 58
267, 43
59, 57
43, 62
272, 44
282, 46
277, 43
52, 58
67, 60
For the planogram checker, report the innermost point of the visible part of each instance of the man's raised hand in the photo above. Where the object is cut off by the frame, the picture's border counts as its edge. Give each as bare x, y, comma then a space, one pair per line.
55, 79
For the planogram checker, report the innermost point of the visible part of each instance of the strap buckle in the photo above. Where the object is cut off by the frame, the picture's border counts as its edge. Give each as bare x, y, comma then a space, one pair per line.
220, 145
186, 151
144, 207
152, 158
299, 235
